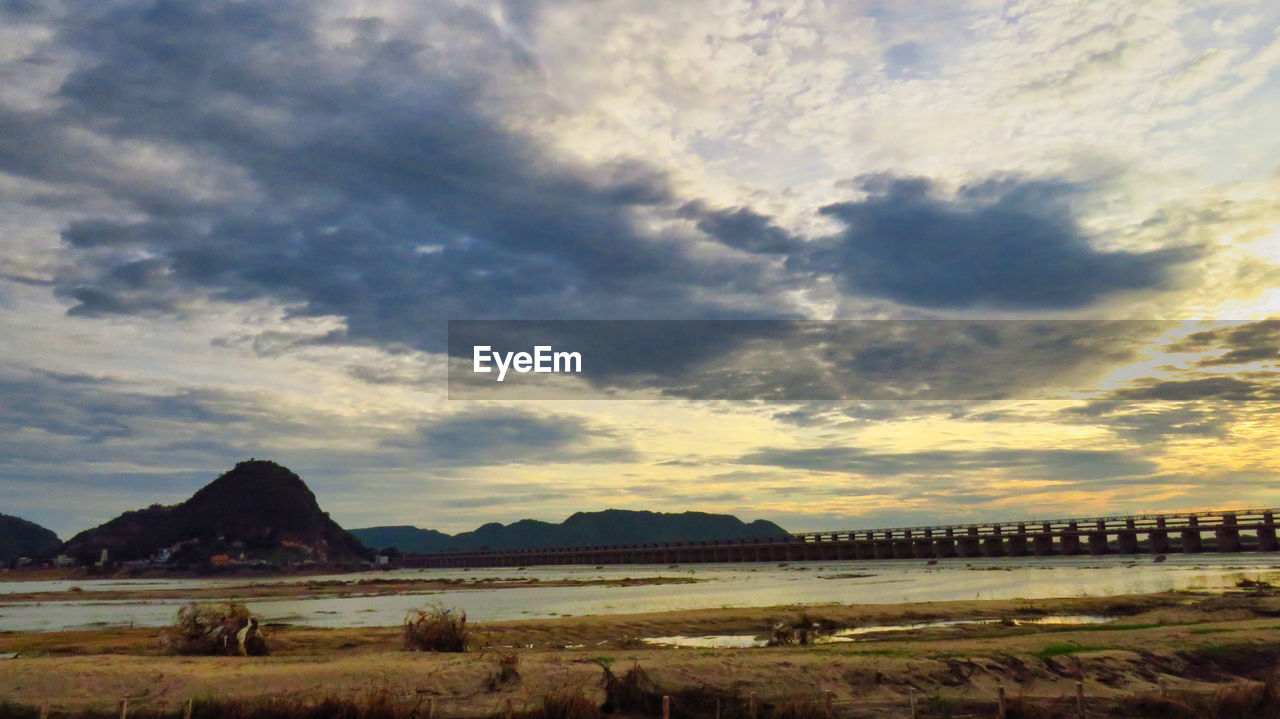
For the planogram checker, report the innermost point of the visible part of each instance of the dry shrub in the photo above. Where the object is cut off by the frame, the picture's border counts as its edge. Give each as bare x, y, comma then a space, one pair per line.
435, 629
798, 708
803, 629
565, 704
1246, 701
507, 663
627, 641
1242, 700
214, 628
634, 693
1025, 708
1157, 707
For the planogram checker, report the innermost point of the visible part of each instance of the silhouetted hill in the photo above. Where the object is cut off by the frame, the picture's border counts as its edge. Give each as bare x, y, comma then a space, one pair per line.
22, 538
404, 537
612, 526
259, 509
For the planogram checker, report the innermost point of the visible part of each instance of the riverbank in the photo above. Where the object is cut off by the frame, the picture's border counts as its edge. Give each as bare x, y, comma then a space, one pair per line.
325, 588
1178, 642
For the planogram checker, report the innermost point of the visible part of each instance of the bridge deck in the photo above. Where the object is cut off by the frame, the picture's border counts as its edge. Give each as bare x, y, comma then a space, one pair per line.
1230, 531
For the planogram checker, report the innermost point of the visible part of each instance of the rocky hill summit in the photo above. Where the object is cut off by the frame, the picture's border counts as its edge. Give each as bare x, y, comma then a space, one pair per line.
258, 512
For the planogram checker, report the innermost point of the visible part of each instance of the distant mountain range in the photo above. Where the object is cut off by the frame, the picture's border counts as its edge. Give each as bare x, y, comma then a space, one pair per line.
259, 509
612, 526
22, 538
263, 513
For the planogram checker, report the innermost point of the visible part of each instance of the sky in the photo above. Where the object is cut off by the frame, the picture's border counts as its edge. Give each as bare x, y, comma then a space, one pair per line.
234, 229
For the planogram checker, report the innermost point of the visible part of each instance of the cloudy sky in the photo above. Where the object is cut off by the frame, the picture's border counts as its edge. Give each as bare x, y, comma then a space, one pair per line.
239, 229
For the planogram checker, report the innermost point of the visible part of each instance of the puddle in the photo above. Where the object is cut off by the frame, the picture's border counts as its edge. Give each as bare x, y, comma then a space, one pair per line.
744, 641
1056, 620
733, 641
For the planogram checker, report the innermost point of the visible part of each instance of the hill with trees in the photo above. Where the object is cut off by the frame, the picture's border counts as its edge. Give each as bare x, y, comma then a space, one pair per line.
610, 527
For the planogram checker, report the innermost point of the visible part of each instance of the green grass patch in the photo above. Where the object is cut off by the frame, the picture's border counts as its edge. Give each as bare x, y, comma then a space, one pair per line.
1210, 630
878, 652
1060, 650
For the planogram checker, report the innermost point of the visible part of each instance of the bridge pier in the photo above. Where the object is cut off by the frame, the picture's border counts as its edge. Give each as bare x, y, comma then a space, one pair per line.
1191, 542
882, 549
944, 547
1042, 545
923, 549
993, 547
1228, 535
1071, 540
1018, 542
1097, 543
1267, 533
970, 545
1159, 542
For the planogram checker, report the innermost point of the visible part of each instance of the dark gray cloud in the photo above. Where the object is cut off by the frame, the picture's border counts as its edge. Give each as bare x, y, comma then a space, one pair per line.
802, 359
504, 436
1148, 425
1002, 243
370, 177
1056, 464
95, 409
367, 180
742, 228
1248, 342
1253, 386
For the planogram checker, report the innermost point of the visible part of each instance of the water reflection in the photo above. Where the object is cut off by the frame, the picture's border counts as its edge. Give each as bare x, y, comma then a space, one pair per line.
722, 585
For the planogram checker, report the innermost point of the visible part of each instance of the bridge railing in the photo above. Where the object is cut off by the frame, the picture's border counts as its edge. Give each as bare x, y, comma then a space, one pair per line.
1035, 524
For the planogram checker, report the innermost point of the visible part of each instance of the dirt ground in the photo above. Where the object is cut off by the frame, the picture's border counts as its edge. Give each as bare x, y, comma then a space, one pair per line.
1171, 642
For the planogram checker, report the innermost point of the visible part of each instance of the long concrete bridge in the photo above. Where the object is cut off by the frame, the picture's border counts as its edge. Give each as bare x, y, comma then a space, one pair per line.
1230, 531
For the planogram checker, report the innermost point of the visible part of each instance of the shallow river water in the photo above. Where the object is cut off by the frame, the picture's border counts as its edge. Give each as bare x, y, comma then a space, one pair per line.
720, 585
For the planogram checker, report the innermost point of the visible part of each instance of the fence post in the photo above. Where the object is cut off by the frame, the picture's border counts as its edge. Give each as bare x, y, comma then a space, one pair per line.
666, 707
827, 702
186, 713
912, 694
1080, 700
751, 706
717, 707
124, 708
1000, 701
431, 707
44, 710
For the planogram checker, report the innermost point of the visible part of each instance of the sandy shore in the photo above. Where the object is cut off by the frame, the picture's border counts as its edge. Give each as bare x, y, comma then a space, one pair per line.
1180, 641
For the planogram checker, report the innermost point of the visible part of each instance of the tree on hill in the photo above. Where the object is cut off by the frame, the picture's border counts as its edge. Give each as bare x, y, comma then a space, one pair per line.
22, 538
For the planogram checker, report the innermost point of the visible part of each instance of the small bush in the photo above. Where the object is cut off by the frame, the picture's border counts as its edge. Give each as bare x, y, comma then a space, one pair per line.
630, 642
1246, 700
566, 704
804, 629
435, 629
797, 708
507, 663
214, 628
633, 693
